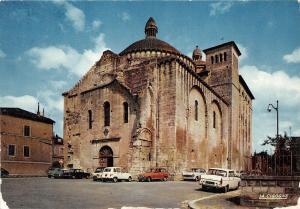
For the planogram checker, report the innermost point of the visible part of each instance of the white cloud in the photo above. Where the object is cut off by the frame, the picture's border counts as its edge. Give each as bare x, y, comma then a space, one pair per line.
73, 14
268, 87
53, 100
219, 8
125, 16
26, 102
2, 54
294, 57
66, 57
96, 24
58, 85
244, 52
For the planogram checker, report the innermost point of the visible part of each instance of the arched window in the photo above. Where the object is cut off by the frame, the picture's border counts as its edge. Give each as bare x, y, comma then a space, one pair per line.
225, 56
217, 58
214, 119
212, 59
221, 57
106, 114
196, 110
125, 110
90, 119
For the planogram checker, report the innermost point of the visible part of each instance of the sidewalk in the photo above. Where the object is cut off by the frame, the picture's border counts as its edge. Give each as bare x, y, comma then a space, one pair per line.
228, 200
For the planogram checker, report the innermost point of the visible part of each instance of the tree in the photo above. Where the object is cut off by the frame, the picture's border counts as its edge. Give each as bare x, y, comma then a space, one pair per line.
281, 143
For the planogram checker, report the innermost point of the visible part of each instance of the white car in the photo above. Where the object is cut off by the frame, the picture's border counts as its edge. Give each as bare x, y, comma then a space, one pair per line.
220, 178
97, 175
193, 174
115, 174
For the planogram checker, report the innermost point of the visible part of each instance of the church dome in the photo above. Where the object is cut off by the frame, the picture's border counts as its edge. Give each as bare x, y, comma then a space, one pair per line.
150, 43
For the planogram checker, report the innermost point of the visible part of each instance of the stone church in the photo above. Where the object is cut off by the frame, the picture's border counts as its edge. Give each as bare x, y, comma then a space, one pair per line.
152, 106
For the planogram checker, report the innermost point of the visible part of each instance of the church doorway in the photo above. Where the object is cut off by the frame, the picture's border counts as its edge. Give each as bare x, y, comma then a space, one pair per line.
106, 157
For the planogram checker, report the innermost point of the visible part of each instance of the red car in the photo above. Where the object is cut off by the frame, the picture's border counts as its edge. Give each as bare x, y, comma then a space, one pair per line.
154, 174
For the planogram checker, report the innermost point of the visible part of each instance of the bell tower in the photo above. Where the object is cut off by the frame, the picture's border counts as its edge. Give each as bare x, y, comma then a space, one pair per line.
222, 64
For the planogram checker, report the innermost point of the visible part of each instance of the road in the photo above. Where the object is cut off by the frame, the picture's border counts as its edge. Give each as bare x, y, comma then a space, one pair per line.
44, 193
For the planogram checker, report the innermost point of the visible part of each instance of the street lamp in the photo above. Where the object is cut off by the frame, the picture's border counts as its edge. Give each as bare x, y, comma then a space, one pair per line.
277, 134
277, 110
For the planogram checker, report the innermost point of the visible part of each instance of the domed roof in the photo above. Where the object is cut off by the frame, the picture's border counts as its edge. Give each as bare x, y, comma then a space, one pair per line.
150, 43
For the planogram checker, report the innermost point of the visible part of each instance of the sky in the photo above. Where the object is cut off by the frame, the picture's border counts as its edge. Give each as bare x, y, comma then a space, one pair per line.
45, 48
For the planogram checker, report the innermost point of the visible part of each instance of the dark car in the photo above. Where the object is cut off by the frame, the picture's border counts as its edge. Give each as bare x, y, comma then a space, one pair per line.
59, 173
52, 171
154, 174
74, 173
4, 173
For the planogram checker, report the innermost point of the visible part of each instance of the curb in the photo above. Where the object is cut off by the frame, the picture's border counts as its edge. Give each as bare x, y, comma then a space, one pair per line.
192, 203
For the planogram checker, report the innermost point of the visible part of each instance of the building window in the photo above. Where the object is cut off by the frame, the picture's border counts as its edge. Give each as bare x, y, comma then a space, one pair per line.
225, 56
217, 58
212, 59
196, 110
11, 150
26, 151
221, 57
26, 130
214, 119
90, 119
125, 109
106, 114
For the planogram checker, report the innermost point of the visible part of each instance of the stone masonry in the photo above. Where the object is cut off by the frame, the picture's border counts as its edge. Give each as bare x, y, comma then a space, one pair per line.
152, 106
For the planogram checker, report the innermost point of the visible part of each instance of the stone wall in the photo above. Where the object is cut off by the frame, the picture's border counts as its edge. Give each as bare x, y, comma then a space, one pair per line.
224, 79
161, 90
270, 191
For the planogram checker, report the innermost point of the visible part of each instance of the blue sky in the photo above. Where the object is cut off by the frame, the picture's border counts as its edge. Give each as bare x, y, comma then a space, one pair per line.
45, 47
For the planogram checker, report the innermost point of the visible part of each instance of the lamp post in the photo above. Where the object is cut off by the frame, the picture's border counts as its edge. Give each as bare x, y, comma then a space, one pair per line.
277, 134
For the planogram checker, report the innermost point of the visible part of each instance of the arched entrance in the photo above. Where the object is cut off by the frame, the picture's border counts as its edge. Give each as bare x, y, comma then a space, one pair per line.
106, 157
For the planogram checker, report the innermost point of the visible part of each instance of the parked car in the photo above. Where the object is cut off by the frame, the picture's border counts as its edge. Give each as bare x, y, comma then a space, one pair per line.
154, 174
4, 173
52, 171
59, 173
115, 174
97, 174
220, 178
75, 173
241, 173
193, 174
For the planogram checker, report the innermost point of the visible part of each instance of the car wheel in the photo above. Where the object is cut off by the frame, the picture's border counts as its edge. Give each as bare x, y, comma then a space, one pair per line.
197, 178
204, 188
115, 179
148, 179
165, 179
129, 179
226, 189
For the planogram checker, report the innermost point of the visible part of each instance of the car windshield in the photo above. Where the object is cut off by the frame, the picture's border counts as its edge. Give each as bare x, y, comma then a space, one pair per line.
107, 170
217, 172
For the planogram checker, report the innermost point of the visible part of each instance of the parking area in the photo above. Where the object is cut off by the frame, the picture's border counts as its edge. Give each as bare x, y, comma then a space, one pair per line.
86, 194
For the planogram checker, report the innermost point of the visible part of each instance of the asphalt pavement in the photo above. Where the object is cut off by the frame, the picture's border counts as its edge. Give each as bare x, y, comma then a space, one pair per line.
44, 193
